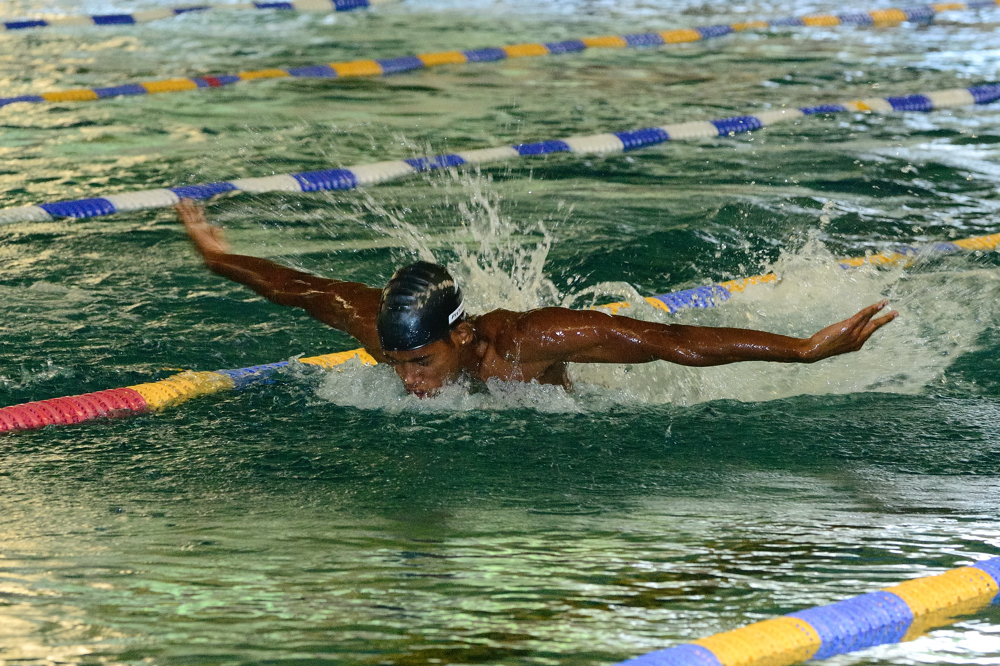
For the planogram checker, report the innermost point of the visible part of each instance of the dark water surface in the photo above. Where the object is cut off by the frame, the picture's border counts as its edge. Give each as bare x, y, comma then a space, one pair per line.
325, 518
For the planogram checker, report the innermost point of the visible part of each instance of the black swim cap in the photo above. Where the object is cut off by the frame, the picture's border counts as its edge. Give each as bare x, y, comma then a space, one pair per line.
419, 306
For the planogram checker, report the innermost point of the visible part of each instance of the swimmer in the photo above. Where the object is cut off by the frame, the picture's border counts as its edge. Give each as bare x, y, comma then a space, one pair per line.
418, 325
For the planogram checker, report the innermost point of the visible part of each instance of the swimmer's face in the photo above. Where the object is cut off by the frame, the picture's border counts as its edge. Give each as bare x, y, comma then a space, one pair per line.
426, 369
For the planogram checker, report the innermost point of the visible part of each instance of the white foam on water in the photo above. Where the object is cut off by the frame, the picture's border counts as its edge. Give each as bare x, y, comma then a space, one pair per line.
943, 311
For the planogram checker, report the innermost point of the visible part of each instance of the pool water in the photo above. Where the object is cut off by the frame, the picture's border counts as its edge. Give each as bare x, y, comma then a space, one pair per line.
328, 518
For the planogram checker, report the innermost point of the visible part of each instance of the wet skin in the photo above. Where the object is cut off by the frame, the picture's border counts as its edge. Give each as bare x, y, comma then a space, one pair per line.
521, 346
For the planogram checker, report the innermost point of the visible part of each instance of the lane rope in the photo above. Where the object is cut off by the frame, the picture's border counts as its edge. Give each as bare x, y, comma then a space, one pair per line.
370, 68
892, 615
155, 396
380, 172
315, 6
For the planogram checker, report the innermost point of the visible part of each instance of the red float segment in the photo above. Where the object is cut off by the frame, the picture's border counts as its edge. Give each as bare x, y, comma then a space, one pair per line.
72, 409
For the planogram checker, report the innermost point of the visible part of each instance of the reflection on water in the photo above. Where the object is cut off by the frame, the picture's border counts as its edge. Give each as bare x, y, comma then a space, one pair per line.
326, 517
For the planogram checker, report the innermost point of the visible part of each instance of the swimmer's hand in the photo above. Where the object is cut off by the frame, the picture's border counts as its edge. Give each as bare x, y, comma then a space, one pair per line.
207, 238
847, 336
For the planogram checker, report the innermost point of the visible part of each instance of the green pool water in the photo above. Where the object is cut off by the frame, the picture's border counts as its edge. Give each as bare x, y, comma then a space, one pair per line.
327, 518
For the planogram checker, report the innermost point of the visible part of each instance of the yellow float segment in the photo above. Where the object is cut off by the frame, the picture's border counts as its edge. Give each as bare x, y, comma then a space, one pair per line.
947, 6
680, 36
937, 599
81, 95
168, 85
181, 387
824, 20
264, 74
739, 27
736, 286
330, 361
778, 642
607, 42
525, 50
357, 68
887, 16
979, 242
442, 58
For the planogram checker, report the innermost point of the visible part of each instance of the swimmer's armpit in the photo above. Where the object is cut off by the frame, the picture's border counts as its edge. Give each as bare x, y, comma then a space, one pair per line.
559, 334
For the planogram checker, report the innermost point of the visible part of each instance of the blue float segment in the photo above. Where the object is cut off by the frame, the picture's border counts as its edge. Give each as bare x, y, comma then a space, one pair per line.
986, 93
644, 39
4, 101
327, 179
688, 654
80, 208
113, 19
992, 567
542, 148
437, 162
255, 374
710, 31
786, 22
858, 18
944, 248
823, 108
205, 191
640, 138
699, 297
981, 4
348, 5
404, 64
919, 13
484, 55
568, 46
861, 622
184, 10
911, 103
313, 71
737, 124
21, 25
115, 91
274, 5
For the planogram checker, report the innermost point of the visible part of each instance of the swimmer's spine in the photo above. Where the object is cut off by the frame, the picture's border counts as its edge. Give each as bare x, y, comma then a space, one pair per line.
152, 396
186, 385
367, 68
169, 12
894, 614
380, 172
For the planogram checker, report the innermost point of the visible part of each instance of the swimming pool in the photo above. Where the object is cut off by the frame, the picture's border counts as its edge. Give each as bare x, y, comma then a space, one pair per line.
327, 518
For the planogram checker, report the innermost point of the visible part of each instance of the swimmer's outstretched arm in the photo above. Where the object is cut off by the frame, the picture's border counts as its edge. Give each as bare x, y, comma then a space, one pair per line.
575, 336
348, 306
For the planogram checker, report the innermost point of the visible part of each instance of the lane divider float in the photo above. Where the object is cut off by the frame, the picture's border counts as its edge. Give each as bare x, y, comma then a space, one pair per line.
369, 68
380, 172
155, 396
899, 613
169, 12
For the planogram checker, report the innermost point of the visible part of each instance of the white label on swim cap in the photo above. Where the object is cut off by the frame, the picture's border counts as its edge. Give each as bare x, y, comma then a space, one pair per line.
459, 311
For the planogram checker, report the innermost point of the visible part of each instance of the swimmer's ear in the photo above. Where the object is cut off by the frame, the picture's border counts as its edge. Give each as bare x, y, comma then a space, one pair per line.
461, 334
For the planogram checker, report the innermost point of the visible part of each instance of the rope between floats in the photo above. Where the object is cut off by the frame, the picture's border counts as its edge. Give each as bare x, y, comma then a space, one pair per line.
154, 396
381, 172
317, 6
368, 68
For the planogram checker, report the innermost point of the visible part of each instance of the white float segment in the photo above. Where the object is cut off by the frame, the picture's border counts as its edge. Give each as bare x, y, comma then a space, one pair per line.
24, 214
143, 200
279, 183
152, 15
778, 116
313, 5
369, 174
597, 143
694, 130
488, 155
70, 20
943, 99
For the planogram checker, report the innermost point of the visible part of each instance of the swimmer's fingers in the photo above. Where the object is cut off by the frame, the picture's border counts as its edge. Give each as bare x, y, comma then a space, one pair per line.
207, 238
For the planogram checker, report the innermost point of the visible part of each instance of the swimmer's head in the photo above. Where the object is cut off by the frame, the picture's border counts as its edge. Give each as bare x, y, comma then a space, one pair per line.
420, 326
